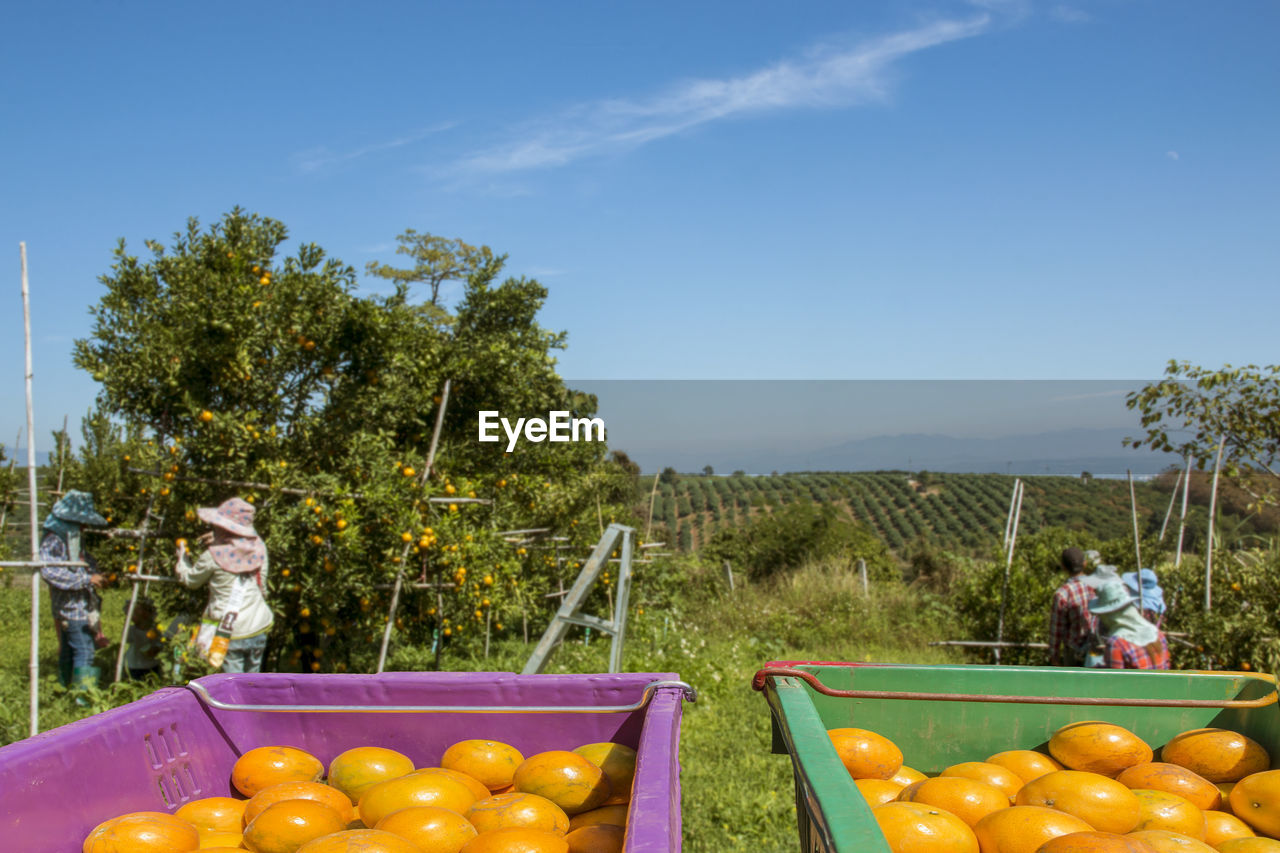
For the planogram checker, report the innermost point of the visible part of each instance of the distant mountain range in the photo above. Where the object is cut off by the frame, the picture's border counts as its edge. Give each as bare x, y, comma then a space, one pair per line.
20, 455
1069, 452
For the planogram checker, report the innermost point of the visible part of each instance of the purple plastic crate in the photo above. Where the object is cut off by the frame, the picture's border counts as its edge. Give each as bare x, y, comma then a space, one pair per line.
169, 748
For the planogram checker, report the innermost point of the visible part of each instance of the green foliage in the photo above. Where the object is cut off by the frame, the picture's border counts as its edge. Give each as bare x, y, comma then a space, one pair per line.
796, 534
227, 369
436, 260
1239, 407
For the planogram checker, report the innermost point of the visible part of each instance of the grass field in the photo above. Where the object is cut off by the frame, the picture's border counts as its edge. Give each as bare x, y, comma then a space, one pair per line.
736, 795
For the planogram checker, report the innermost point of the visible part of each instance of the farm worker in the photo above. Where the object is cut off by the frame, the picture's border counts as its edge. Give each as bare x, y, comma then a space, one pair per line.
1132, 642
142, 641
234, 565
1071, 625
77, 608
1150, 596
1103, 574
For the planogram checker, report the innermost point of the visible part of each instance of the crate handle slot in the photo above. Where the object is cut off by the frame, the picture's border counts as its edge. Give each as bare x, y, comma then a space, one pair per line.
689, 694
758, 683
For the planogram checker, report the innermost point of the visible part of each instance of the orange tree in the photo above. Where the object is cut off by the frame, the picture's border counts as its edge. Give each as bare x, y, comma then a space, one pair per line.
238, 371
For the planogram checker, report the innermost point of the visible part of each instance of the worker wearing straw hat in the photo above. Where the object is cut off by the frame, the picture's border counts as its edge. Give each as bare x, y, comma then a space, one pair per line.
1071, 626
234, 566
1132, 642
77, 607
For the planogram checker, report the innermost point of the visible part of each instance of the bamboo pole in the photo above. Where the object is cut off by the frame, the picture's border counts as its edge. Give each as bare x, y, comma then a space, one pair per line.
653, 493
1008, 565
1008, 522
1137, 543
34, 666
1213, 504
404, 554
1173, 497
1182, 519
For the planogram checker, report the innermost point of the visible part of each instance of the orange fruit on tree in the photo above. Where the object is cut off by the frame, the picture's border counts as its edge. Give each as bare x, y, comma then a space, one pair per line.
224, 814
920, 828
1220, 826
432, 829
565, 778
285, 826
1098, 747
1249, 845
216, 838
865, 754
360, 841
1023, 829
877, 792
1170, 812
416, 789
357, 770
1101, 802
270, 765
1256, 800
993, 774
1026, 764
142, 832
1218, 755
317, 791
615, 815
517, 840
1174, 778
473, 784
967, 799
597, 838
492, 762
906, 775
517, 809
1094, 842
1164, 841
619, 765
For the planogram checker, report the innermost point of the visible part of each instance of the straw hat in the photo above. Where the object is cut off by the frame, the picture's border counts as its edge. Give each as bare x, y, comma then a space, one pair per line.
234, 516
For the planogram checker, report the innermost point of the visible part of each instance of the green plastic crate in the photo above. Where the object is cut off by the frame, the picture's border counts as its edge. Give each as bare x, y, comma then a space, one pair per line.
933, 734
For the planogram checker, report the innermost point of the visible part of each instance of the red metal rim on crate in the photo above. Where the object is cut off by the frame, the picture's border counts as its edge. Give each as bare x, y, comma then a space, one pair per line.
758, 683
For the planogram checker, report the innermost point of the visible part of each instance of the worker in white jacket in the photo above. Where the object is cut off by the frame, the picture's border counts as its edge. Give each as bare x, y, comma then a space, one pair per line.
234, 565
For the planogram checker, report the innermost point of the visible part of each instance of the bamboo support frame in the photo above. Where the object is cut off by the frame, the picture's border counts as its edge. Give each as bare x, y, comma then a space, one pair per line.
34, 665
1182, 518
1008, 565
1213, 505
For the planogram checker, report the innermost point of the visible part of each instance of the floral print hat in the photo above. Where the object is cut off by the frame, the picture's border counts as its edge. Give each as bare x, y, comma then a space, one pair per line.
242, 551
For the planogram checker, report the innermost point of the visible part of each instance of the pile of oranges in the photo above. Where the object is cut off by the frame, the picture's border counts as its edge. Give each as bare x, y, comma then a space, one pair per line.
485, 797
1098, 790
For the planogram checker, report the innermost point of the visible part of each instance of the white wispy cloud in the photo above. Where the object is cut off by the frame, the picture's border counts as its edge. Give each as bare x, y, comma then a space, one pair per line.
825, 77
319, 158
1172, 155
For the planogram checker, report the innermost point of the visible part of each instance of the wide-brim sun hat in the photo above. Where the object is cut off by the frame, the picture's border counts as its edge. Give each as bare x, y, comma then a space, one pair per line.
1102, 576
1110, 598
234, 516
77, 508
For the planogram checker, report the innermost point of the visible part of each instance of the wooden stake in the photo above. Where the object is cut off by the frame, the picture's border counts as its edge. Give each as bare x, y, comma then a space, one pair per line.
1182, 519
404, 554
1213, 504
1008, 523
1172, 499
1137, 544
63, 440
34, 667
653, 493
1008, 565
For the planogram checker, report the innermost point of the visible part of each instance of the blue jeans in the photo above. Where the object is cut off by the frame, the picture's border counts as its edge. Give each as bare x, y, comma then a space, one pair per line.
245, 655
75, 649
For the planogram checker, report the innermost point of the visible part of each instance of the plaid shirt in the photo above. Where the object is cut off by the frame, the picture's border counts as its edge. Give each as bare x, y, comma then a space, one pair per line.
71, 593
1122, 654
1070, 622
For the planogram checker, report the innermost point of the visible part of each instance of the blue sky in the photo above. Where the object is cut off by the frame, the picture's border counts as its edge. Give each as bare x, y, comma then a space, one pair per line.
729, 190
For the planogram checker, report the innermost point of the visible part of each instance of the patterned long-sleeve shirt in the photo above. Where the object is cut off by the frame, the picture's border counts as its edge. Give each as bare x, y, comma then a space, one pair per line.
1122, 654
1070, 622
71, 592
